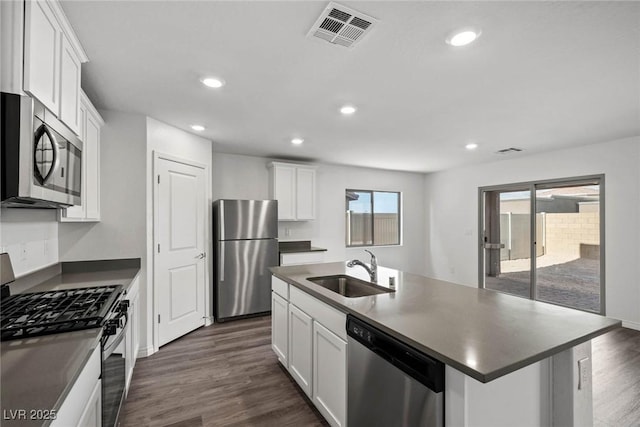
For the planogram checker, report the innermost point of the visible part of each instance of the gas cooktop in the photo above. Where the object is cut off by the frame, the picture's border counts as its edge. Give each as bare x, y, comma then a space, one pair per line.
52, 312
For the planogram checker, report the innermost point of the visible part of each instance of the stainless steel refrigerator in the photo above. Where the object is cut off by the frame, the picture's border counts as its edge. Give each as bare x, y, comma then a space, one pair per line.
245, 234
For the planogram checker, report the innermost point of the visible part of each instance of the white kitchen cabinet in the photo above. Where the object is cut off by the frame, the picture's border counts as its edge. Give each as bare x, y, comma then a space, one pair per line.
11, 46
280, 328
317, 348
52, 58
42, 43
69, 85
89, 208
302, 258
92, 415
82, 406
330, 375
132, 333
294, 187
300, 348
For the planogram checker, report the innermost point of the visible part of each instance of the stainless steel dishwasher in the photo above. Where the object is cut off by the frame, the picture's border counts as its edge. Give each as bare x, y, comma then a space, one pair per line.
389, 383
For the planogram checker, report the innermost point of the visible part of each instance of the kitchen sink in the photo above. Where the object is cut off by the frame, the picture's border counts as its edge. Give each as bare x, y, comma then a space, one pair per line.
348, 286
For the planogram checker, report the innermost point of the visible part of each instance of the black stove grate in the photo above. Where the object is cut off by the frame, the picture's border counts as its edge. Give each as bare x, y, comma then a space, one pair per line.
52, 312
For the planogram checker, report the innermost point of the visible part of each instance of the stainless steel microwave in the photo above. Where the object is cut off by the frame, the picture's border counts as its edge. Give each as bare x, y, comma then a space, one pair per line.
41, 157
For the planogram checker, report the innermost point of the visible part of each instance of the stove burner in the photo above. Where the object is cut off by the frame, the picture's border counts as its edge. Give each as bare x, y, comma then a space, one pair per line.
43, 313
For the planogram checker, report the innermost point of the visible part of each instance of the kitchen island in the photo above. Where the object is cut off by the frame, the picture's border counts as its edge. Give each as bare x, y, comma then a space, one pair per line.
508, 359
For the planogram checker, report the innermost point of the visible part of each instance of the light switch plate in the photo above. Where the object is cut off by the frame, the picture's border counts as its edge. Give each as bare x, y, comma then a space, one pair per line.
584, 373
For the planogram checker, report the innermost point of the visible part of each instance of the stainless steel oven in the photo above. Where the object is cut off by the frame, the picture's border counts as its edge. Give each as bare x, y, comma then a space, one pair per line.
114, 363
41, 157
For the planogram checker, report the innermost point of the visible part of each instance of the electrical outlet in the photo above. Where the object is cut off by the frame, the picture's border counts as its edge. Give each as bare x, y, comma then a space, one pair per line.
287, 232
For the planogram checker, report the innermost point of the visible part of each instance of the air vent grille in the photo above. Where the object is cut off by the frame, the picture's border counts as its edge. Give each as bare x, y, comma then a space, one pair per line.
341, 25
509, 150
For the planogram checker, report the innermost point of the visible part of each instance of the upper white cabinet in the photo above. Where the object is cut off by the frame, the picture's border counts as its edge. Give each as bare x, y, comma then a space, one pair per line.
69, 86
294, 187
52, 60
90, 124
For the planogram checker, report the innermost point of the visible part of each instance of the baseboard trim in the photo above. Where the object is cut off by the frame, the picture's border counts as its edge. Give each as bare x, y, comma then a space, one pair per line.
631, 325
146, 352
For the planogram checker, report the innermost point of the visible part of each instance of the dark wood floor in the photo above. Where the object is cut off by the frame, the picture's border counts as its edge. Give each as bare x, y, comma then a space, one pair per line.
227, 375
221, 375
616, 379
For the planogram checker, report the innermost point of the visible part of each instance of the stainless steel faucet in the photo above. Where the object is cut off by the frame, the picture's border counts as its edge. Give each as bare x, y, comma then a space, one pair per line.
373, 271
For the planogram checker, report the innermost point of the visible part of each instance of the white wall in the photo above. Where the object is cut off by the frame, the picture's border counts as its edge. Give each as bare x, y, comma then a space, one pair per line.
121, 232
451, 214
165, 139
246, 177
30, 236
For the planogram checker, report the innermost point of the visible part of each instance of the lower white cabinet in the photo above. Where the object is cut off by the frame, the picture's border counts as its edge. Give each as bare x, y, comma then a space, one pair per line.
294, 258
132, 333
92, 415
280, 328
300, 347
82, 406
309, 338
329, 375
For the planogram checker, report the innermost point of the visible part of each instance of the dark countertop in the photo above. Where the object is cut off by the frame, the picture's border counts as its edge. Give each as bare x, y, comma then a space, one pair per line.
297, 251
297, 246
484, 334
38, 373
79, 274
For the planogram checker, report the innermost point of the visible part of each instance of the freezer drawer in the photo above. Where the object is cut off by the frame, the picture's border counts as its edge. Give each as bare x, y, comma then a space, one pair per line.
243, 280
245, 219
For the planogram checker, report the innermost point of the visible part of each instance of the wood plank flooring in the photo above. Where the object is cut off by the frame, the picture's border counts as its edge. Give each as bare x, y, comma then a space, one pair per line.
227, 375
221, 375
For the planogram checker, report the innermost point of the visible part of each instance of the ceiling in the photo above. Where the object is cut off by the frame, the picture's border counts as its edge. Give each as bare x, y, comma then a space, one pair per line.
543, 75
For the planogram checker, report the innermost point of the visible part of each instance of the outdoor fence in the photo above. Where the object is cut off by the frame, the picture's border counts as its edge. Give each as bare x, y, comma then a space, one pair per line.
360, 232
574, 234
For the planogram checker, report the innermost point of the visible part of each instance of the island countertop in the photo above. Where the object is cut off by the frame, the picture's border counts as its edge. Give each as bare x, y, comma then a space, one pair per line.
482, 333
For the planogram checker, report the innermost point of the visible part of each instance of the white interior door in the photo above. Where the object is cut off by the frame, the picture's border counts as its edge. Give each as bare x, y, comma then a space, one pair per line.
180, 248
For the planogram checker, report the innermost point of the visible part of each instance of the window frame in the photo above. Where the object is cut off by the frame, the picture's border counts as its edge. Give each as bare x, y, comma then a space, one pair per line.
532, 187
373, 238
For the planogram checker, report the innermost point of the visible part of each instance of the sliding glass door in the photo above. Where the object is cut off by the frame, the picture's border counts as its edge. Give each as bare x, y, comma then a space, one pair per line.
544, 241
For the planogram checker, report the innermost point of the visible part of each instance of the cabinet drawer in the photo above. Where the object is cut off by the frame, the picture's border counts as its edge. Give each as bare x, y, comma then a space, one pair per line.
280, 287
302, 258
326, 315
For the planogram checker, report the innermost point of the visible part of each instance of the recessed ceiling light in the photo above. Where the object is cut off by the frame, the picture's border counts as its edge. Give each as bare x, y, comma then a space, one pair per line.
471, 146
197, 128
297, 141
348, 110
463, 37
213, 82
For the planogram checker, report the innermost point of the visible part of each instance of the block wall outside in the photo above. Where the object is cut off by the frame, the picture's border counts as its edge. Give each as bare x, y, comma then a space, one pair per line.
565, 232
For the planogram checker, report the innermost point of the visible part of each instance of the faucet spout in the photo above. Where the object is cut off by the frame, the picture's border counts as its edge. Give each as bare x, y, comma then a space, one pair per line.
373, 270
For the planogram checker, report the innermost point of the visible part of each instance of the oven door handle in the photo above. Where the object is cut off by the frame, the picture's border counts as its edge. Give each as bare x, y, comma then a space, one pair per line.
107, 351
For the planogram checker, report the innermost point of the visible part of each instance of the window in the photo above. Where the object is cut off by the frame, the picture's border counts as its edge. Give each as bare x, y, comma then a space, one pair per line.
372, 218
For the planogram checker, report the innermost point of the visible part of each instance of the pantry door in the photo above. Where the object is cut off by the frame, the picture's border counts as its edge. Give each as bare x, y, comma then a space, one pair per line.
180, 247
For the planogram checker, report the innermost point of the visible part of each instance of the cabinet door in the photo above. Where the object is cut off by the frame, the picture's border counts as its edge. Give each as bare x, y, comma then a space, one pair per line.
329, 375
305, 194
42, 42
284, 185
92, 166
280, 328
300, 347
135, 327
69, 86
92, 414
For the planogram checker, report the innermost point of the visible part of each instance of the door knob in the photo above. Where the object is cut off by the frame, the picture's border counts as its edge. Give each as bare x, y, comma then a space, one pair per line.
202, 255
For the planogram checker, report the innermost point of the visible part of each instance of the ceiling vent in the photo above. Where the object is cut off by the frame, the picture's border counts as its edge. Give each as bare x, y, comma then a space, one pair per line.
341, 25
509, 150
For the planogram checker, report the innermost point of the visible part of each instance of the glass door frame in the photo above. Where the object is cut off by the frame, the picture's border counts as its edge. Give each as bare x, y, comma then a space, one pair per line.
532, 186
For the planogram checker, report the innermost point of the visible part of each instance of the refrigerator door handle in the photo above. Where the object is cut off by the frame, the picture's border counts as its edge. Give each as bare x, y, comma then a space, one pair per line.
221, 275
